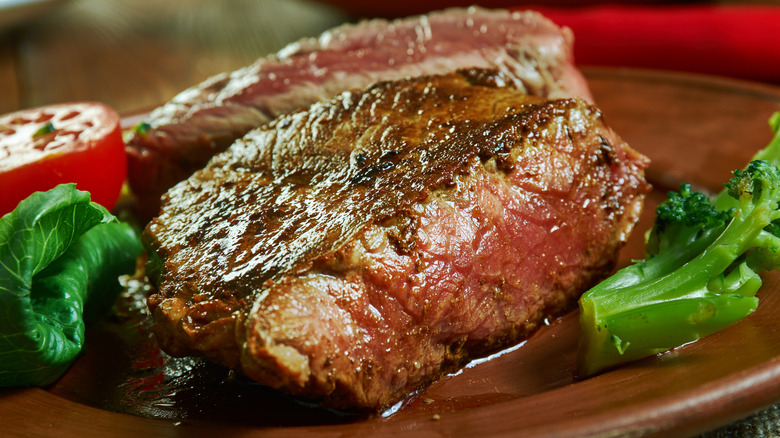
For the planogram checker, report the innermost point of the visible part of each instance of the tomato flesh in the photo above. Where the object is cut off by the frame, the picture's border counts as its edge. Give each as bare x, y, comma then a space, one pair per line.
80, 143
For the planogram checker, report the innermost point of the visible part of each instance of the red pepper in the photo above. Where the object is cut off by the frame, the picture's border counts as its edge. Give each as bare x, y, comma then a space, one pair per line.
726, 40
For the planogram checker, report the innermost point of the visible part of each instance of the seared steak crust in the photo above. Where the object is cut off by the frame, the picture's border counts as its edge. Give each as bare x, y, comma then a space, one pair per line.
205, 119
353, 252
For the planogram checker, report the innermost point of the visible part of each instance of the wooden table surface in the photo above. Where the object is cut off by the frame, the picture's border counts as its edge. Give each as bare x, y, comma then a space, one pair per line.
136, 54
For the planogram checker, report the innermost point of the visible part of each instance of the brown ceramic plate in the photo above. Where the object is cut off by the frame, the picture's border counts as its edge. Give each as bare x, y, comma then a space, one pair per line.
694, 128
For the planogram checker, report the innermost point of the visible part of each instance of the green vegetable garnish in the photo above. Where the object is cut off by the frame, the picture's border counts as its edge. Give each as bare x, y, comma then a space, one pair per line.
45, 129
60, 259
700, 274
142, 128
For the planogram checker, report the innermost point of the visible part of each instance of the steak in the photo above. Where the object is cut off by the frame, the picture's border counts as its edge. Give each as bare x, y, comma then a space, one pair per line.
183, 134
353, 252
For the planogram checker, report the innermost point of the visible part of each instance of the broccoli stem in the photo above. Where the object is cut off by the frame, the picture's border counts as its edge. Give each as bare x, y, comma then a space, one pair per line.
656, 305
658, 327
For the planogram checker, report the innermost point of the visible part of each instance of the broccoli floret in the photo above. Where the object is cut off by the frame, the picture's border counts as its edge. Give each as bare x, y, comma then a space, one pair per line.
770, 153
686, 221
700, 274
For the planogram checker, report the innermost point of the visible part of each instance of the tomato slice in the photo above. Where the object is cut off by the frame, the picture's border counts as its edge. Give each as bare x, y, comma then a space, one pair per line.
77, 142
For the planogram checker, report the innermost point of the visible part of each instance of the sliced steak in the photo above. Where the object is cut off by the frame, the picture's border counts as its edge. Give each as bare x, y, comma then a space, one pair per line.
184, 133
353, 252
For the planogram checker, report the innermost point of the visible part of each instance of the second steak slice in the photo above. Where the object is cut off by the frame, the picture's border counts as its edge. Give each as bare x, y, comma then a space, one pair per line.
354, 252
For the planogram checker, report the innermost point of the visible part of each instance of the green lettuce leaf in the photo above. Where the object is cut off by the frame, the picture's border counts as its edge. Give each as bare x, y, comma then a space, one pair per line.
60, 259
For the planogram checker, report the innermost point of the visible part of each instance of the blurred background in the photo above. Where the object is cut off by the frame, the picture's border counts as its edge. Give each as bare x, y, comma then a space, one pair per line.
136, 54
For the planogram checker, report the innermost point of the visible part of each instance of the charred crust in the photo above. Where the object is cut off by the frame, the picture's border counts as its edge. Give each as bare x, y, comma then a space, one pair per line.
606, 154
402, 233
366, 175
485, 77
